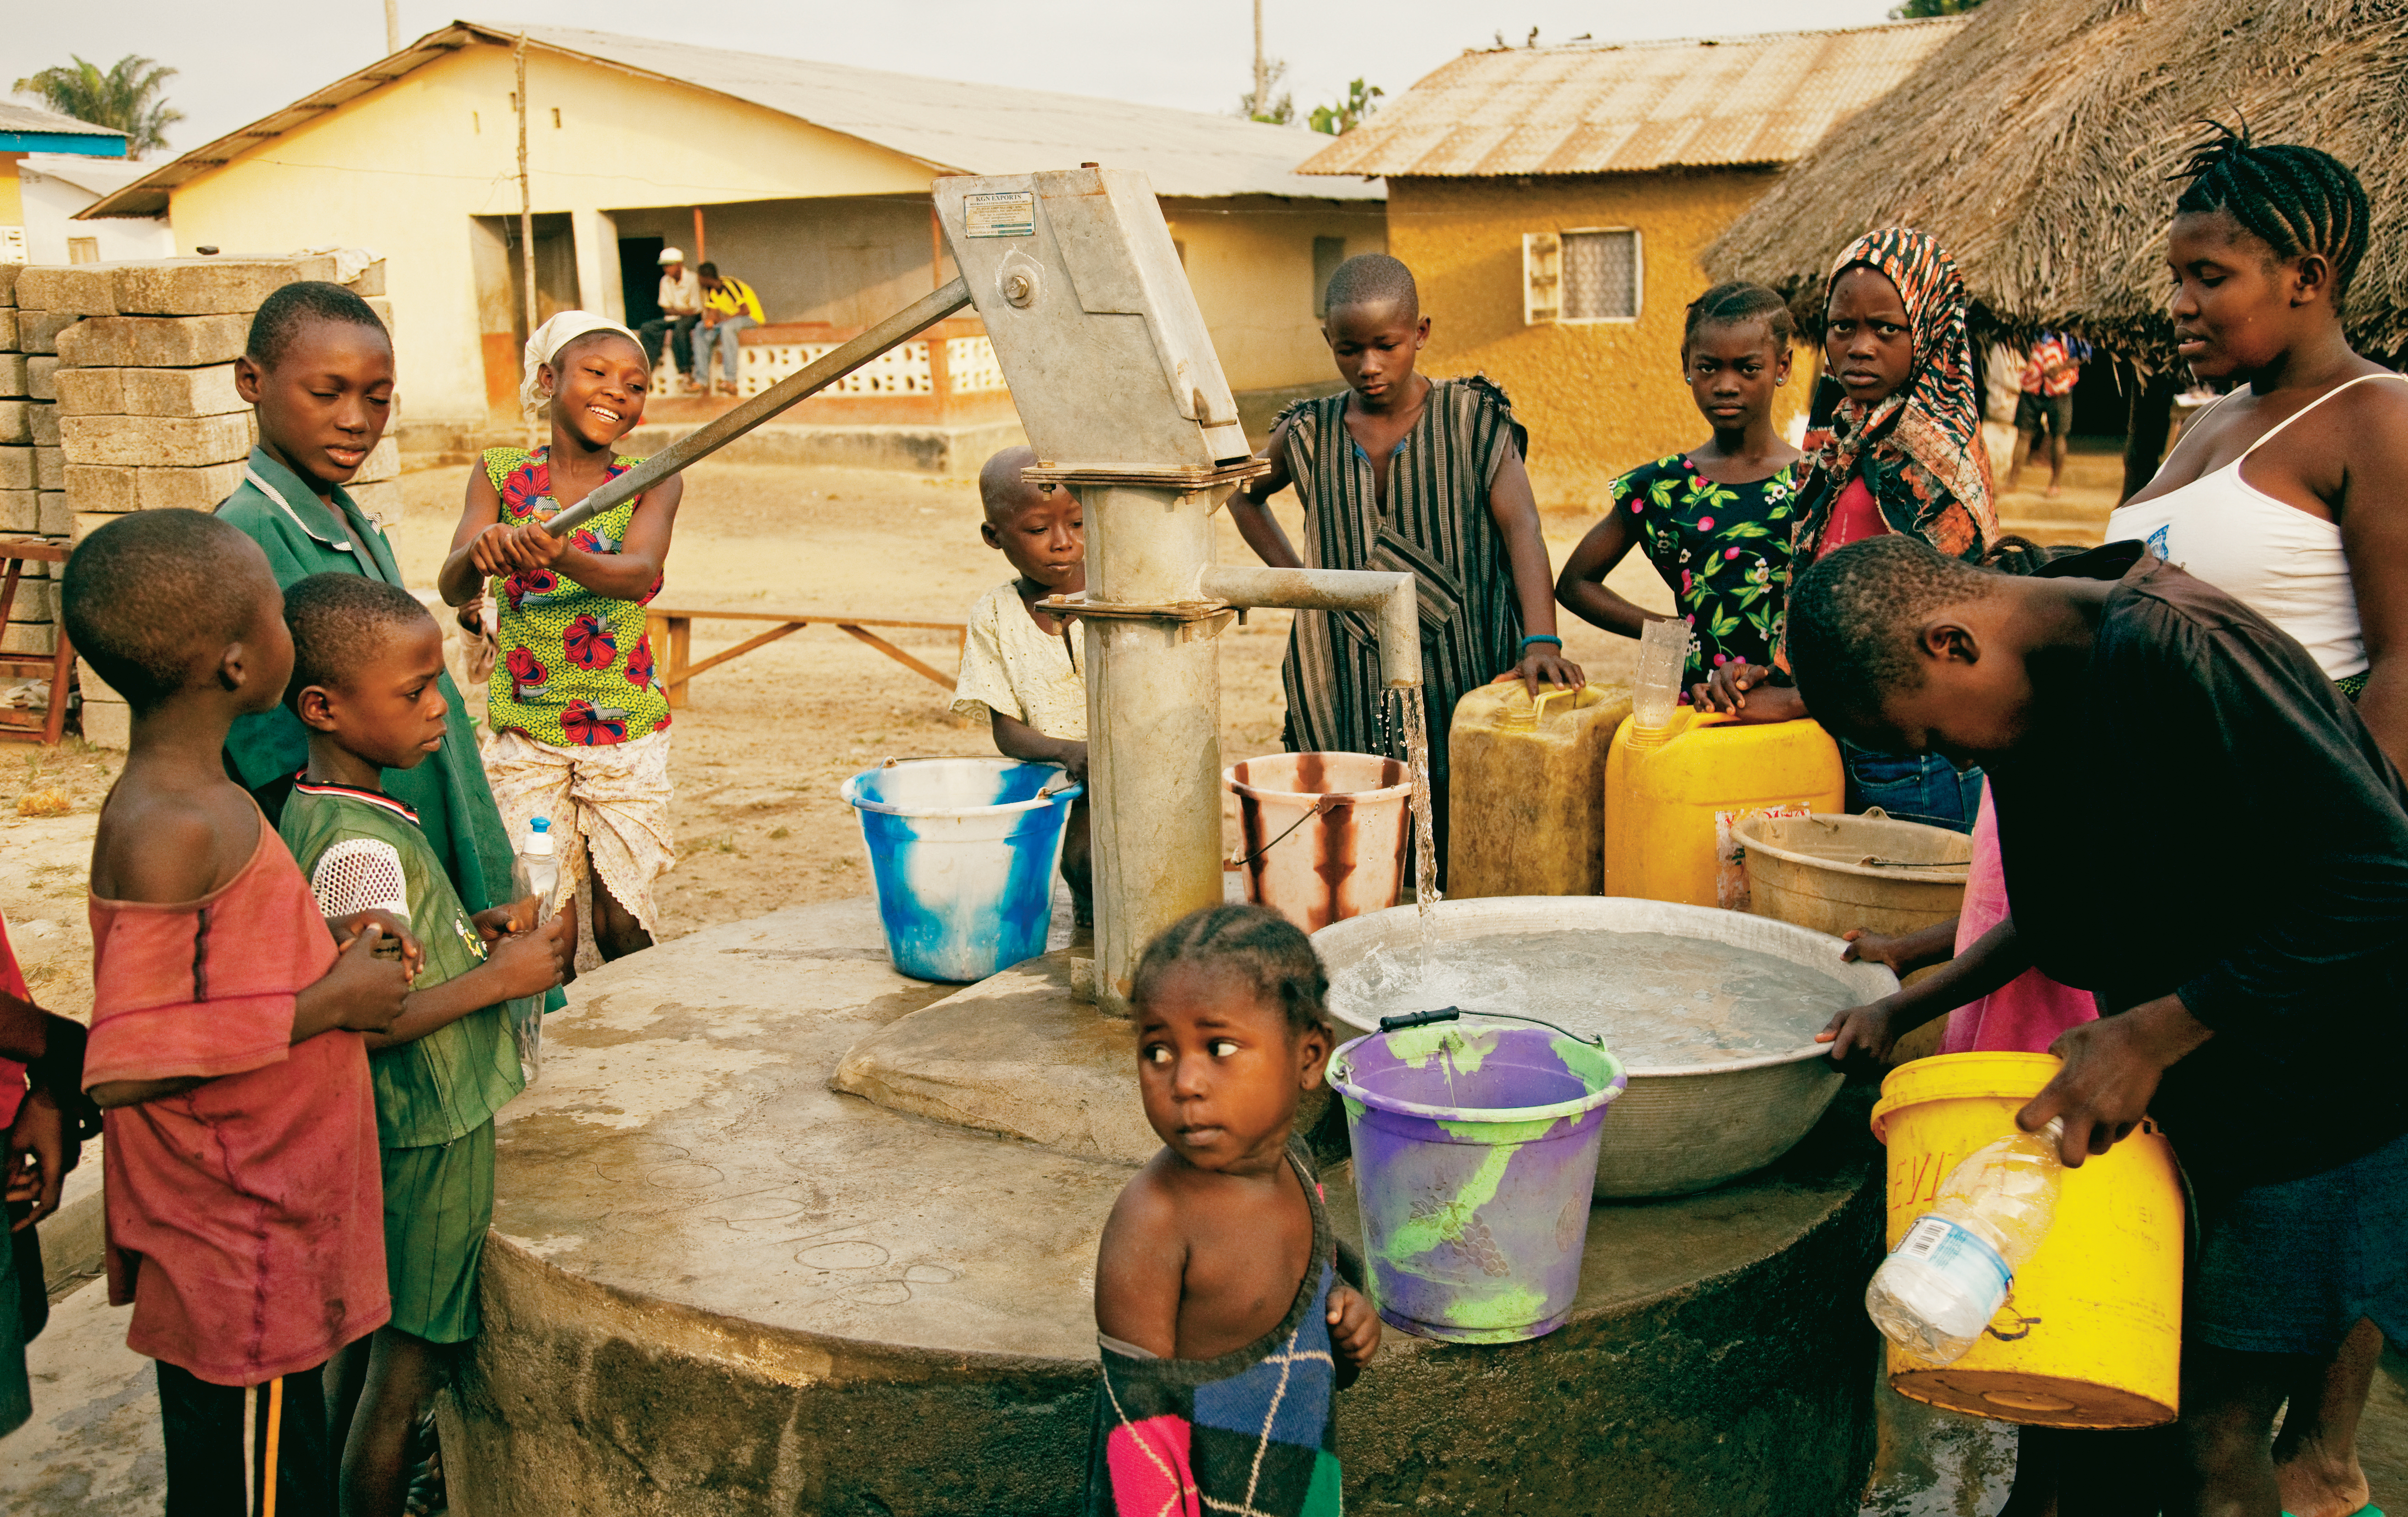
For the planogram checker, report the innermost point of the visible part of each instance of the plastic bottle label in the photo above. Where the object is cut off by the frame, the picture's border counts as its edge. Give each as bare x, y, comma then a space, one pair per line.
1960, 1255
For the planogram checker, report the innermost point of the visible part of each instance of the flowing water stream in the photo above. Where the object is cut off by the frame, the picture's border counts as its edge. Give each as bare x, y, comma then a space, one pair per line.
1426, 891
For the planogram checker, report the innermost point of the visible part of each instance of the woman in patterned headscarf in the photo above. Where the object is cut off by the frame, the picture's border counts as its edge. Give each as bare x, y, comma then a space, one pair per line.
1901, 452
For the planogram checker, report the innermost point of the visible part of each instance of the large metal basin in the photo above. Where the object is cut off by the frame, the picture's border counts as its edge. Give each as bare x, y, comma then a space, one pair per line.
1676, 1128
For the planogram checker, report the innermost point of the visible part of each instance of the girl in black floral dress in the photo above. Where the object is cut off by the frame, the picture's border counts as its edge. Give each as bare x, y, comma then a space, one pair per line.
1715, 521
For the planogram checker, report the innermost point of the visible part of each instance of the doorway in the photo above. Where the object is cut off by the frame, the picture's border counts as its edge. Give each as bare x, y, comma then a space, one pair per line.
639, 277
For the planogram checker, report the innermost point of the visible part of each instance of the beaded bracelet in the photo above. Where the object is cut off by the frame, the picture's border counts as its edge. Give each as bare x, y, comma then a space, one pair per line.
1542, 637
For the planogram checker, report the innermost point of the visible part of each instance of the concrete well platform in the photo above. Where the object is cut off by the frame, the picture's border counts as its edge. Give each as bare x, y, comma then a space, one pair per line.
722, 1287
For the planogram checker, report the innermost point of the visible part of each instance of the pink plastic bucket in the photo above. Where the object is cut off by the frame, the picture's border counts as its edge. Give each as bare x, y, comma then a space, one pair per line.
1326, 835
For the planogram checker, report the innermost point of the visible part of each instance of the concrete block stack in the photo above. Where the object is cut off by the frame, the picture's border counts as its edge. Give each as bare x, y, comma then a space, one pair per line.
33, 473
141, 362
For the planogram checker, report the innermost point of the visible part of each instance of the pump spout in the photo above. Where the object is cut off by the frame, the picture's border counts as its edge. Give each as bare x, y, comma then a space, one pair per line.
1391, 598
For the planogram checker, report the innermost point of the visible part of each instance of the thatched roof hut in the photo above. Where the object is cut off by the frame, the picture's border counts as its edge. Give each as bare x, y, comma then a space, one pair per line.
2036, 144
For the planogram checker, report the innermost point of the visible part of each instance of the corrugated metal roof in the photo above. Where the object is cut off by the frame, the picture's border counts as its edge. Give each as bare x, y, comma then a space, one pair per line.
986, 128
23, 118
1607, 107
950, 127
93, 176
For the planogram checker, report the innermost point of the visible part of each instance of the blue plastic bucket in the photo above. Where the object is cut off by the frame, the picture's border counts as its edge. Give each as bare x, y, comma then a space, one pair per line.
1475, 1153
963, 852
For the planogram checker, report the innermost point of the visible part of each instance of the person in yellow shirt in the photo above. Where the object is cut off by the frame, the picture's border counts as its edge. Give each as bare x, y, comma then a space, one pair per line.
728, 307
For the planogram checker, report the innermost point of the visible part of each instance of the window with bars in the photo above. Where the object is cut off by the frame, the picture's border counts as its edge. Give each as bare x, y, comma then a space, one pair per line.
1586, 276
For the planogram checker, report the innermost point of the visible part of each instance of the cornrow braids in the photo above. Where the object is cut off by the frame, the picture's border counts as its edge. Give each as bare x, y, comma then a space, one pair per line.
1736, 303
1267, 951
2294, 199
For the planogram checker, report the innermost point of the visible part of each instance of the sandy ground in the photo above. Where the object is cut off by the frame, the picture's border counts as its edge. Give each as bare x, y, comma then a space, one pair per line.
767, 740
759, 753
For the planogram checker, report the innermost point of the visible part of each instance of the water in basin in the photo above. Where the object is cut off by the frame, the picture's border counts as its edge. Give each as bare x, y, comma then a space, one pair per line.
1660, 1001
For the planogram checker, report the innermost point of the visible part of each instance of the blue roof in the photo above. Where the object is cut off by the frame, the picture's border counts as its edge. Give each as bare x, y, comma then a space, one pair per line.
32, 129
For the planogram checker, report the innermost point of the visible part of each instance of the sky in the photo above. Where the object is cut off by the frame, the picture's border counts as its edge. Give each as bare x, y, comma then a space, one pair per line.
238, 59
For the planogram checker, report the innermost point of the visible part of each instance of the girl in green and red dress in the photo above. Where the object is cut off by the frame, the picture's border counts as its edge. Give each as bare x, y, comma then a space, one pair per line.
578, 719
1716, 521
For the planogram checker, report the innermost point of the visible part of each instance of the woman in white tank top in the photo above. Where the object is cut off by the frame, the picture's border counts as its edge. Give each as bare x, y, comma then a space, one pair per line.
2291, 495
2287, 564
2291, 492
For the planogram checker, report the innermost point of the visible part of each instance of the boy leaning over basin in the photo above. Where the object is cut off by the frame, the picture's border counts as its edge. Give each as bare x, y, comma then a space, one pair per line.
1018, 662
242, 1197
2197, 827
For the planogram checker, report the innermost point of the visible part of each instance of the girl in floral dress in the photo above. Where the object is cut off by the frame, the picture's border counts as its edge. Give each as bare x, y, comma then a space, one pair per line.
1716, 521
578, 720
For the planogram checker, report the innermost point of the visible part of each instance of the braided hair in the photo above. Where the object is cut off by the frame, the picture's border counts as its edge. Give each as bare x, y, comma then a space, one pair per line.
1261, 946
2294, 199
1735, 304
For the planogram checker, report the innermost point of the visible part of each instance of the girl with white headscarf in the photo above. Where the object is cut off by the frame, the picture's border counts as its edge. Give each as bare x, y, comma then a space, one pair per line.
577, 717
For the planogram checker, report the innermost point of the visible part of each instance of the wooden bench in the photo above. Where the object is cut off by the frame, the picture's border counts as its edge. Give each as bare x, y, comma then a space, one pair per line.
25, 725
672, 632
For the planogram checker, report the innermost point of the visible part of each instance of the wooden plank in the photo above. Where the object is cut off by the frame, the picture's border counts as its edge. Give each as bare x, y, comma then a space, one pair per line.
690, 671
805, 618
853, 629
670, 629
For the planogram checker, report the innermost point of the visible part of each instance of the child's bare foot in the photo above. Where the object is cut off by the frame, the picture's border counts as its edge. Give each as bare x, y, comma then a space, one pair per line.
2054, 491
2317, 1484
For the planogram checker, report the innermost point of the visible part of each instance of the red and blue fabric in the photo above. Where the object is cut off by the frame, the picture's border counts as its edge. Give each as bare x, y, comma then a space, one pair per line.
592, 726
1250, 1434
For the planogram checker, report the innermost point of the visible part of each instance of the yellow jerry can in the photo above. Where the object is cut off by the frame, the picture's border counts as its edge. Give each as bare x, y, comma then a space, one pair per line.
1526, 784
1673, 793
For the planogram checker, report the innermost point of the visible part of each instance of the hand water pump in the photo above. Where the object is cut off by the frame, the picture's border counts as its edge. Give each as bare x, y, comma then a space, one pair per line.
1079, 286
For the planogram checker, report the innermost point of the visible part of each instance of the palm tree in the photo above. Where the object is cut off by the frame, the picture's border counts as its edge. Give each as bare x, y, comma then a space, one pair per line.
125, 98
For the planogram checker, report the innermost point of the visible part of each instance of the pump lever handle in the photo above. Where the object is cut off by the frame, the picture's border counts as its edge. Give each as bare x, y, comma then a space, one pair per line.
720, 430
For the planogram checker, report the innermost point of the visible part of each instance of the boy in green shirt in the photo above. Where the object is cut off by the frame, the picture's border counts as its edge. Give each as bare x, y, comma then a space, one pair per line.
367, 664
318, 371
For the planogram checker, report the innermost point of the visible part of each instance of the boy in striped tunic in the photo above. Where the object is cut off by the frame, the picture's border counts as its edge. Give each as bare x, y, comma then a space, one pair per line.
366, 661
1401, 472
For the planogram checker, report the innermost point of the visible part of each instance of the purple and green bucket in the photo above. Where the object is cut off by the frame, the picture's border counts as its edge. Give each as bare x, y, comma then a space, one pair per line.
1475, 1155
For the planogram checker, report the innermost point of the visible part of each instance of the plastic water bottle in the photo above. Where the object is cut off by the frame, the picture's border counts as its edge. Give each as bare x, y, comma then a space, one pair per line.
537, 870
1949, 1275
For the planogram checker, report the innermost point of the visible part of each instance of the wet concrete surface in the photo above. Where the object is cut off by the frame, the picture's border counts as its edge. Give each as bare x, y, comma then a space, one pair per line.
791, 1286
721, 1286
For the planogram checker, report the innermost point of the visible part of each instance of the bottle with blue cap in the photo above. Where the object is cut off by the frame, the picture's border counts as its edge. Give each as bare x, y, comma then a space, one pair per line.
537, 870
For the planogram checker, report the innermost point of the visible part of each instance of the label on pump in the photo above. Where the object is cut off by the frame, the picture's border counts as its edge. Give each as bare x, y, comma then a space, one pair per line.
1009, 213
1960, 1254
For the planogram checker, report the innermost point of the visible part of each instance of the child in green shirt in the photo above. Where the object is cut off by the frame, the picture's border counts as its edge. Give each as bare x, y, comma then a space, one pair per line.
365, 683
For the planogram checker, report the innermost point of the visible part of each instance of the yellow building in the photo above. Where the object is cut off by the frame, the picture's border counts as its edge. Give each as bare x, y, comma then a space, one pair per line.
808, 181
1554, 203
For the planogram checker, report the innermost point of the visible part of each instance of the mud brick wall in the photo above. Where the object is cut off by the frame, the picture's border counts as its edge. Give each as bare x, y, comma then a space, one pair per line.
139, 409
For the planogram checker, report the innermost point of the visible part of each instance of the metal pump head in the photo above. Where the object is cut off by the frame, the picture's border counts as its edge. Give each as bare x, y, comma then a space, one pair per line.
1080, 285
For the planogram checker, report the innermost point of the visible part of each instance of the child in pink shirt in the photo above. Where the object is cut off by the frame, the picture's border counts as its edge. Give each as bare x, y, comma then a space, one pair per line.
244, 1207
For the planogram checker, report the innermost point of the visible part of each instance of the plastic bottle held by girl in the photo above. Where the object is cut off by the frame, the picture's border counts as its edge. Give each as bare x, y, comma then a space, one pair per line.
1949, 1275
535, 872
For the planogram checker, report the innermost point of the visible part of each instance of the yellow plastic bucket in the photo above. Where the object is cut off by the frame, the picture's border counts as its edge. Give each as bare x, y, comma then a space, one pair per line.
2091, 1335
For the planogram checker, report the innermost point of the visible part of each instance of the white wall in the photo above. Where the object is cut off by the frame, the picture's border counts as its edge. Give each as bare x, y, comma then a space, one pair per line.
50, 200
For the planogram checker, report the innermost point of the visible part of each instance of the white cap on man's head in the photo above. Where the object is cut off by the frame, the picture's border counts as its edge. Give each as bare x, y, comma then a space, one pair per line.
672, 256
